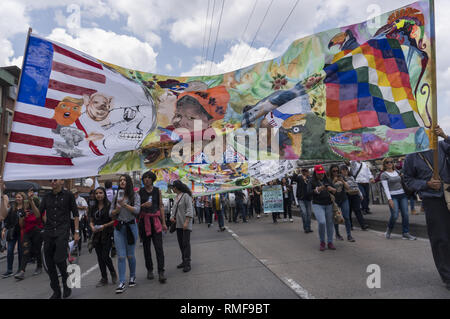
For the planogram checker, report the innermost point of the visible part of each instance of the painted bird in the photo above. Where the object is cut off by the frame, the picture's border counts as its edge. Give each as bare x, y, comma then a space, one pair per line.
346, 41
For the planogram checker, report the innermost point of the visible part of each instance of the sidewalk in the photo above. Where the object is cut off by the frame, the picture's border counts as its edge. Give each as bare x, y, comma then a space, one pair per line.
380, 216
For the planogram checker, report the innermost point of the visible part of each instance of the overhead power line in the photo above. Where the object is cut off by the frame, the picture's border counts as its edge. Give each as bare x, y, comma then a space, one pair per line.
209, 38
217, 36
257, 31
279, 31
202, 60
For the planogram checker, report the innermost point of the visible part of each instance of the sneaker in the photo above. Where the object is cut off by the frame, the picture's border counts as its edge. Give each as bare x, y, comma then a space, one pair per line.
132, 282
350, 239
291, 220
187, 268
339, 237
150, 275
322, 246
114, 278
121, 288
102, 282
408, 236
180, 266
20, 276
7, 274
162, 279
257, 216
387, 234
38, 271
331, 246
365, 227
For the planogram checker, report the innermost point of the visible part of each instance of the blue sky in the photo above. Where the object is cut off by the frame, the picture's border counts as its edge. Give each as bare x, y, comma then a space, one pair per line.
168, 37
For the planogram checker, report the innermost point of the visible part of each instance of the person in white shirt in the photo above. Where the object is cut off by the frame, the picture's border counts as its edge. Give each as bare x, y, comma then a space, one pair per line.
363, 176
82, 209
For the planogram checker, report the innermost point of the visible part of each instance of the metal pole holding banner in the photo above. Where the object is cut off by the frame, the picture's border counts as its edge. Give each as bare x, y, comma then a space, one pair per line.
15, 102
434, 141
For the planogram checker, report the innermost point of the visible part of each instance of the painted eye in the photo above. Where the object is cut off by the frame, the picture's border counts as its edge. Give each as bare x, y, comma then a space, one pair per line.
63, 106
296, 130
75, 108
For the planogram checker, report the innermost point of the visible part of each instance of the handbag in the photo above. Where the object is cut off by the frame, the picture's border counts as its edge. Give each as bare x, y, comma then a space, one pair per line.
337, 213
173, 226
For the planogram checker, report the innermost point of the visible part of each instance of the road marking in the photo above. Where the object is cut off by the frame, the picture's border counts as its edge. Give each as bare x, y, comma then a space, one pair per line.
299, 290
89, 271
232, 232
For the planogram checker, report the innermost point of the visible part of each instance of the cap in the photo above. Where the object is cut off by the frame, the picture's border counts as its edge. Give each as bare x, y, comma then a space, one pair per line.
214, 101
319, 169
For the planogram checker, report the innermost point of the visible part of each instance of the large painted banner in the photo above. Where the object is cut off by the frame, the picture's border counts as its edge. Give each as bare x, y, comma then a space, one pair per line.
359, 92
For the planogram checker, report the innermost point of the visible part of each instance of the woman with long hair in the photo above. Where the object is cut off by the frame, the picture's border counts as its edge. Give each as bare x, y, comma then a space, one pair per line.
11, 233
31, 225
182, 214
393, 189
124, 210
341, 200
320, 187
102, 229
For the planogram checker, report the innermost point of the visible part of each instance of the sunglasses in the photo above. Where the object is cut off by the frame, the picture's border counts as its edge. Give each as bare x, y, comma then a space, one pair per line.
334, 171
390, 162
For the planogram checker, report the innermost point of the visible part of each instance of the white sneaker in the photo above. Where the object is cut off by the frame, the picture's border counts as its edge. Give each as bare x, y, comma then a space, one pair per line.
257, 216
387, 234
291, 220
408, 236
121, 288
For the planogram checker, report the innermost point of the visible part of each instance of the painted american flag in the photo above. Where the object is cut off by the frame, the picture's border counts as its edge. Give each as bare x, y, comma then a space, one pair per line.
72, 114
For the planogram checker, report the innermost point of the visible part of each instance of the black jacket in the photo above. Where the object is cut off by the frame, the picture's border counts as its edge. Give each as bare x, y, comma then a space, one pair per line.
323, 198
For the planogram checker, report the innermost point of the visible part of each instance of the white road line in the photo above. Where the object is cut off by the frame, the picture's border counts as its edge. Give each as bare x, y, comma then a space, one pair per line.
232, 232
299, 290
89, 271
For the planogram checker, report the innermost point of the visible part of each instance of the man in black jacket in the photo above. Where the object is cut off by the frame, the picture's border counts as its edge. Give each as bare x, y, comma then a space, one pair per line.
418, 175
55, 209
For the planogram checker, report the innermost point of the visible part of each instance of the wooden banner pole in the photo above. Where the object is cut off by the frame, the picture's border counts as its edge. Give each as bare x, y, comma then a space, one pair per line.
435, 138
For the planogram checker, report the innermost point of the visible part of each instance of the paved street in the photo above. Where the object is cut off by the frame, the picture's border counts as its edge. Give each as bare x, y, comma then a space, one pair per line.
266, 261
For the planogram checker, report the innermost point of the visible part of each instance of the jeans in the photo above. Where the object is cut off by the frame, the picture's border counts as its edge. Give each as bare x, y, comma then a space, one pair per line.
10, 255
365, 191
306, 207
412, 203
355, 206
400, 201
125, 251
345, 208
32, 244
220, 218
324, 216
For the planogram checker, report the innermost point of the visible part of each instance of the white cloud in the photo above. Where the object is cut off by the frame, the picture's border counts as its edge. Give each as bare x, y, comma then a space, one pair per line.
118, 49
169, 67
240, 55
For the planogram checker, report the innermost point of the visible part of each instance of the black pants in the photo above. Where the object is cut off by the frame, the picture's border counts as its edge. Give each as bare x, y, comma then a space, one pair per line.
184, 241
55, 252
257, 206
158, 244
102, 249
275, 216
355, 206
287, 208
438, 224
83, 229
32, 243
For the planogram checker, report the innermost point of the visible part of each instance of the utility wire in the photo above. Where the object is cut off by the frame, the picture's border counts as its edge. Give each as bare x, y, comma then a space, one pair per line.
257, 31
243, 33
202, 60
279, 31
209, 38
217, 36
